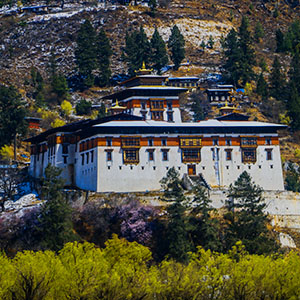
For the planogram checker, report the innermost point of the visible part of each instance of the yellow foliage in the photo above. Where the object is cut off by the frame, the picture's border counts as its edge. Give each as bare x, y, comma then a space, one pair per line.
66, 107
248, 88
6, 152
297, 154
94, 114
284, 119
57, 123
122, 271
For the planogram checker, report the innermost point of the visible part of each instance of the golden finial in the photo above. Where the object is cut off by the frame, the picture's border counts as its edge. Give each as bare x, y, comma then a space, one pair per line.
143, 66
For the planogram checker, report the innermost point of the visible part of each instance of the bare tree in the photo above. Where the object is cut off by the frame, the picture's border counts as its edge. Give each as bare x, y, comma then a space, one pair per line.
9, 180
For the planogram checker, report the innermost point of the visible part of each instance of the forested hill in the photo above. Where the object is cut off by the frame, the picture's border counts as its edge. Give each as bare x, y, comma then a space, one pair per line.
27, 38
40, 53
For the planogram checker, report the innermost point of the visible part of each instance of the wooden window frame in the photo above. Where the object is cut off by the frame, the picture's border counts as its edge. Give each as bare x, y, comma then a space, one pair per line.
194, 158
130, 161
190, 142
248, 159
228, 153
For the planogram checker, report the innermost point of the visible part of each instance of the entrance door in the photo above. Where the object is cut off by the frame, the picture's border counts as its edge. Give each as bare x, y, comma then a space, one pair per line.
191, 170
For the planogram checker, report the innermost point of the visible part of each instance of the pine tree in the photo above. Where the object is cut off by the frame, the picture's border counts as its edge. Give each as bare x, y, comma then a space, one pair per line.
232, 57
258, 32
177, 231
86, 53
137, 50
277, 82
60, 87
176, 46
262, 87
280, 47
293, 106
247, 221
12, 114
239, 55
247, 58
55, 224
205, 229
104, 53
159, 56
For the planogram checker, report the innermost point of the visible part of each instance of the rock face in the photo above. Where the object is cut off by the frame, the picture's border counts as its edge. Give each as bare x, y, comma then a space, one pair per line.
286, 240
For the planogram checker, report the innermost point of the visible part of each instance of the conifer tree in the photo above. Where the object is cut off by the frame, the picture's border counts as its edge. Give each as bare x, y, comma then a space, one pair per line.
233, 56
277, 82
60, 86
239, 55
247, 58
210, 42
177, 231
137, 50
204, 228
176, 46
86, 53
262, 87
258, 32
159, 56
104, 53
280, 47
12, 114
55, 224
247, 221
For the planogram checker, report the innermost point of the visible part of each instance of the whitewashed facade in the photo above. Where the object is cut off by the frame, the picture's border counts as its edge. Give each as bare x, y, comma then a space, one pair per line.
134, 155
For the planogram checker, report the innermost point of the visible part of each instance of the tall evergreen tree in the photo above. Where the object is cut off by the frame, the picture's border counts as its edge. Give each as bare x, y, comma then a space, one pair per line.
12, 114
177, 231
104, 53
247, 53
205, 229
239, 54
233, 56
277, 82
176, 46
86, 52
258, 32
280, 46
262, 87
55, 224
247, 221
159, 55
137, 50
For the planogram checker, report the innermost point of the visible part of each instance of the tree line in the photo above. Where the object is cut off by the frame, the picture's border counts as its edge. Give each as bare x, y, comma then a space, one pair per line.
186, 222
125, 270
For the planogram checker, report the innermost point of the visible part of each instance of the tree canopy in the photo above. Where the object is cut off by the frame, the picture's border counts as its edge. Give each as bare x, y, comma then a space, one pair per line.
176, 46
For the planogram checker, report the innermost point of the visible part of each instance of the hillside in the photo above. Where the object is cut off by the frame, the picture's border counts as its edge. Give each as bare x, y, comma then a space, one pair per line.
27, 39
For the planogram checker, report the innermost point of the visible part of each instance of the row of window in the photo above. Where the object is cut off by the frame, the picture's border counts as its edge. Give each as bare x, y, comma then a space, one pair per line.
188, 155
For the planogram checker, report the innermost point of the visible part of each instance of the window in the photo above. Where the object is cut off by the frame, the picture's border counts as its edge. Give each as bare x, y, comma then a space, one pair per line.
215, 141
157, 115
131, 156
92, 156
109, 142
143, 105
215, 153
65, 149
248, 141
150, 154
130, 142
87, 158
191, 155
150, 142
268, 141
228, 142
170, 117
165, 155
169, 105
190, 142
228, 154
269, 154
157, 105
65, 159
248, 155
164, 142
82, 159
108, 155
